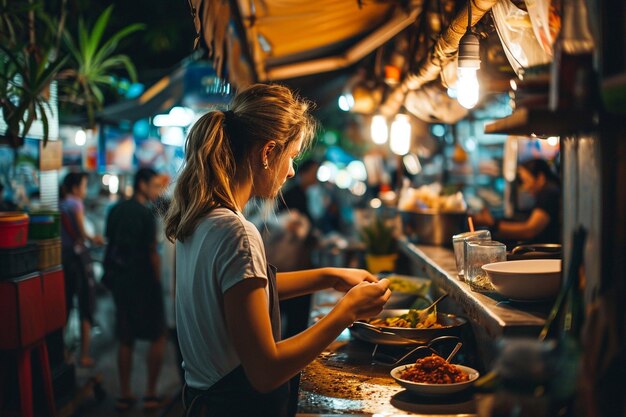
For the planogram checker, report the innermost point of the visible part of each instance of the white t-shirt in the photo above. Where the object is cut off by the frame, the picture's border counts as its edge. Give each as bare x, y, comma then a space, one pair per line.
224, 249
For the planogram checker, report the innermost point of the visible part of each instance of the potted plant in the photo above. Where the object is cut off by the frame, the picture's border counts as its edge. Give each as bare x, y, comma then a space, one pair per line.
380, 245
29, 62
36, 50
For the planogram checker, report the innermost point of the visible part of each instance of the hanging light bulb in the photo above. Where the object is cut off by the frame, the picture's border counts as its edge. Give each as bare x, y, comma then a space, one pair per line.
468, 65
400, 142
379, 129
467, 87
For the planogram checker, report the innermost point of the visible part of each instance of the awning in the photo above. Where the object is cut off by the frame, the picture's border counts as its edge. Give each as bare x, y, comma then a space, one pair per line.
281, 39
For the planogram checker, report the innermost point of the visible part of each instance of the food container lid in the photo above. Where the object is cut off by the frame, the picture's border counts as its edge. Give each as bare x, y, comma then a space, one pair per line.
465, 235
13, 216
485, 243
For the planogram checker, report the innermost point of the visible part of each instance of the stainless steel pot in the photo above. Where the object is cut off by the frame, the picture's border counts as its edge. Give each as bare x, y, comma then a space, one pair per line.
433, 228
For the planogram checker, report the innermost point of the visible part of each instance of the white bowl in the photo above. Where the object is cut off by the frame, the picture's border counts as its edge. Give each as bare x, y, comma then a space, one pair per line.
530, 279
435, 389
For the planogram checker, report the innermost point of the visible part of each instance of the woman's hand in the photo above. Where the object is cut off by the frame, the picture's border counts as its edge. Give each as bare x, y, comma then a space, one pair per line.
483, 218
345, 278
97, 240
365, 300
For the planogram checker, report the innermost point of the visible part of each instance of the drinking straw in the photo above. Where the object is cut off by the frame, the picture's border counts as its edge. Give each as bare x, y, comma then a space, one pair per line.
470, 222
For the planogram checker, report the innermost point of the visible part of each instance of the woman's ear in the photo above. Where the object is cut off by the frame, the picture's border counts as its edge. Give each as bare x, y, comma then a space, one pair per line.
266, 151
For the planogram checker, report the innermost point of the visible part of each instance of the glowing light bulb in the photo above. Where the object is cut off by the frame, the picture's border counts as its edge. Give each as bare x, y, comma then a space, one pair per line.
81, 137
346, 102
467, 87
400, 143
114, 184
379, 129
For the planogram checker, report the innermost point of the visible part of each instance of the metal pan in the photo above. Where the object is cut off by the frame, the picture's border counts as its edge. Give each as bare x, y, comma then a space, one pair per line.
402, 336
536, 251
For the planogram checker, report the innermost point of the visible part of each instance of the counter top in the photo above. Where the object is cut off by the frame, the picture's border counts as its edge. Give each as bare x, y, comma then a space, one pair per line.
343, 380
497, 315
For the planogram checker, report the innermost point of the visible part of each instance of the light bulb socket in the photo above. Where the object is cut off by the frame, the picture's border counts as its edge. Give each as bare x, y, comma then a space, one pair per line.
469, 51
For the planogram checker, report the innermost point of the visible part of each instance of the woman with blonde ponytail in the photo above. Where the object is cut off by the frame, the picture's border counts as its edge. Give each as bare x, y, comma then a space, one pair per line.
226, 294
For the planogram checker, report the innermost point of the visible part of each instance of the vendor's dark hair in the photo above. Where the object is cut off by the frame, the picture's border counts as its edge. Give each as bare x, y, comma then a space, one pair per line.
307, 164
540, 166
143, 175
71, 180
220, 146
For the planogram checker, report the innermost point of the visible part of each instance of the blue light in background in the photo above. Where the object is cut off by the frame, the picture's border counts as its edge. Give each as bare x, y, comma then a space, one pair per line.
135, 90
141, 129
438, 130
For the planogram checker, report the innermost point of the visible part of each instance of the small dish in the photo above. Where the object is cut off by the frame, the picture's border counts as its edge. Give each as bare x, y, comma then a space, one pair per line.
435, 389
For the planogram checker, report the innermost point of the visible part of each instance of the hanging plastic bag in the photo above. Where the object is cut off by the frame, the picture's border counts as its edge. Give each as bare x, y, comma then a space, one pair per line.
545, 21
517, 36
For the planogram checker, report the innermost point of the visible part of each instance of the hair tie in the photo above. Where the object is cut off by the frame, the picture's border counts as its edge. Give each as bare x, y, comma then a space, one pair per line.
229, 116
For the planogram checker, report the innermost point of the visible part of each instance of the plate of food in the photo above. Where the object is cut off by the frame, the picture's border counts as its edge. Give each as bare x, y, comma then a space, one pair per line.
406, 327
434, 376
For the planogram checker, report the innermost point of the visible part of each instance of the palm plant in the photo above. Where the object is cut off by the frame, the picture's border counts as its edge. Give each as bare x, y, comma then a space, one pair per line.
93, 61
31, 58
26, 68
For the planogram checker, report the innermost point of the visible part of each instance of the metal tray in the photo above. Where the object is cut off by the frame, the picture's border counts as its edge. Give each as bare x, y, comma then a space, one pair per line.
402, 336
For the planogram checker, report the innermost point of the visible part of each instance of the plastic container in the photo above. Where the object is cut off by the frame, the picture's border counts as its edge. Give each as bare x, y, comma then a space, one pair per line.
53, 290
477, 254
458, 242
22, 321
49, 253
13, 229
15, 262
44, 224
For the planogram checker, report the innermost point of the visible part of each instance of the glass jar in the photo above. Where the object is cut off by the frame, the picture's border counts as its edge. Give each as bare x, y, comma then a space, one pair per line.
458, 241
477, 254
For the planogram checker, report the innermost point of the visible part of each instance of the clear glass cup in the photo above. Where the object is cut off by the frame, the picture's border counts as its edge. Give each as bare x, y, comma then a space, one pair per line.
458, 241
477, 254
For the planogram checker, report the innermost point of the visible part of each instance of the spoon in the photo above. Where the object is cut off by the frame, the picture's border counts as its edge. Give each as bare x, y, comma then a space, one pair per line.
424, 311
454, 351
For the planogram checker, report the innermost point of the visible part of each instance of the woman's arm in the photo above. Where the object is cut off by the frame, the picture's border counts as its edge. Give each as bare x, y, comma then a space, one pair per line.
297, 283
525, 230
80, 221
269, 364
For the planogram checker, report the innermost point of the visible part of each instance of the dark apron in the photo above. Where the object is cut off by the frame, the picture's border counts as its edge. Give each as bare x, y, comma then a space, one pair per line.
233, 395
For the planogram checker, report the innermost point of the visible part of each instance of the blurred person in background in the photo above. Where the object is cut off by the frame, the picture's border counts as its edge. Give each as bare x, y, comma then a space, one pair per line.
132, 270
77, 263
291, 249
543, 225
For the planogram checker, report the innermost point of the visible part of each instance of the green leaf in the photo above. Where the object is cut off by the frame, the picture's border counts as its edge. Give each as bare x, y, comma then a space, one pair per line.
97, 31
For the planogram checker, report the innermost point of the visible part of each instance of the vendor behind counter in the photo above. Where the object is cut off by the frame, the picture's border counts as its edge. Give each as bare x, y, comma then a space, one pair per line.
543, 225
